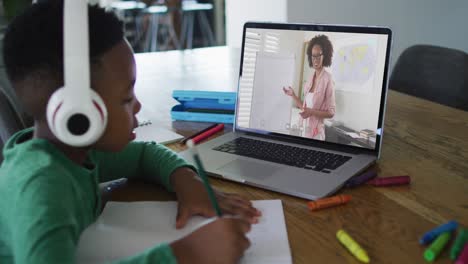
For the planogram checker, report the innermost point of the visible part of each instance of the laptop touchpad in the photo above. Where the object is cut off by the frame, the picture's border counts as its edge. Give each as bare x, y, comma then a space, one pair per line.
244, 168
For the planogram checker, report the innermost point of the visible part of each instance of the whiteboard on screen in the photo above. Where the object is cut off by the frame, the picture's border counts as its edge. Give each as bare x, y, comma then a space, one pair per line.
271, 108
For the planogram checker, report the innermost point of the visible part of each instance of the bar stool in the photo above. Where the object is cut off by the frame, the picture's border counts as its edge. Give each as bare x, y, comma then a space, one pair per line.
189, 10
156, 13
131, 13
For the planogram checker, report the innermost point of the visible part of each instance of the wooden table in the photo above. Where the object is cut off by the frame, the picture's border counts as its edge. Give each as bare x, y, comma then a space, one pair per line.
425, 140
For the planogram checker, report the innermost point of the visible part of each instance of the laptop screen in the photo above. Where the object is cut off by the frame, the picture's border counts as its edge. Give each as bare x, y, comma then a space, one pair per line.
316, 82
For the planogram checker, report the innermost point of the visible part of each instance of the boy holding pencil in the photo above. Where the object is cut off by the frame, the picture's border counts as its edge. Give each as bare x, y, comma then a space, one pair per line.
49, 190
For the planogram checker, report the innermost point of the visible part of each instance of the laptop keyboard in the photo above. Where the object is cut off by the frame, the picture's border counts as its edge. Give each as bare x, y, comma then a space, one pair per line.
284, 154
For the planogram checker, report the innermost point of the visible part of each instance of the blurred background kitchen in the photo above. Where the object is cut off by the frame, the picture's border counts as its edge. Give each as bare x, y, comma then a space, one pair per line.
159, 25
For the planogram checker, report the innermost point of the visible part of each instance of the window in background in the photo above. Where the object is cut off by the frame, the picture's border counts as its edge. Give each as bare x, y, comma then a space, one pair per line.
254, 42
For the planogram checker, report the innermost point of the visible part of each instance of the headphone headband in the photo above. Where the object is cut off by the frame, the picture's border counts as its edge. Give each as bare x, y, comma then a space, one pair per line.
76, 47
76, 114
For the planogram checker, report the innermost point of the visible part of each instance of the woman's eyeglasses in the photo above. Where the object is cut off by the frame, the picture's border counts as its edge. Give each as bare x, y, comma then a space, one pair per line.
317, 56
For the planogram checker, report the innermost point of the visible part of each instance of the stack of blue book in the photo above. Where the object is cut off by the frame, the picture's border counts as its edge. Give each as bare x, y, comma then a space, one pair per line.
204, 106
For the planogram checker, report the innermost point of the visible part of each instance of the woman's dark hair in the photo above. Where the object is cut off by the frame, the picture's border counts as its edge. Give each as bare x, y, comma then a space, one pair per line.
327, 49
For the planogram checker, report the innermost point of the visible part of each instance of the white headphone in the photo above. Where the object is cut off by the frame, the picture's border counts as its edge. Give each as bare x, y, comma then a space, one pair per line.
76, 114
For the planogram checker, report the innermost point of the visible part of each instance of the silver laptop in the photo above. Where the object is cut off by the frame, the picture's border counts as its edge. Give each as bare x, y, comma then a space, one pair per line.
310, 108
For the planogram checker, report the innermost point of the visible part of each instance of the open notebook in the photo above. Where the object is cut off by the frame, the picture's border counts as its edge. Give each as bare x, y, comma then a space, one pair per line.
147, 131
125, 229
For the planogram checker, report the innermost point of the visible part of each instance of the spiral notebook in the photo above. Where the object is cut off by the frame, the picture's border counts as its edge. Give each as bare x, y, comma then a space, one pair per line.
147, 131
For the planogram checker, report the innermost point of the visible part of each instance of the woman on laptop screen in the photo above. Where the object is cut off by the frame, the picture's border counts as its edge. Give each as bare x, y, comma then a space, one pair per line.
319, 92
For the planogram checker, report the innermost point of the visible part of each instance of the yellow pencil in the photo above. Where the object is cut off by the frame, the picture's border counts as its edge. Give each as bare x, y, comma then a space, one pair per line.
352, 246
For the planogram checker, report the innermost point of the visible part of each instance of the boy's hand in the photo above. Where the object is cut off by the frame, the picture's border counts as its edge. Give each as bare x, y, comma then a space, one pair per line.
222, 241
193, 200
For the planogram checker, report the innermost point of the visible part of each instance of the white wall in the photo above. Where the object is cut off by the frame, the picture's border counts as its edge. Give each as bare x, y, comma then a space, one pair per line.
436, 22
240, 11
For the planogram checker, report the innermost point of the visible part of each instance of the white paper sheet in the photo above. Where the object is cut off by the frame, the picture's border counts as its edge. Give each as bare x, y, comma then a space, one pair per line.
126, 229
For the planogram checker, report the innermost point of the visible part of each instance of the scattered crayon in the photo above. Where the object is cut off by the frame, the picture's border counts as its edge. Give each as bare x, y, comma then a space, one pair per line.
183, 141
352, 246
463, 258
431, 235
431, 253
207, 134
328, 202
457, 247
361, 179
390, 181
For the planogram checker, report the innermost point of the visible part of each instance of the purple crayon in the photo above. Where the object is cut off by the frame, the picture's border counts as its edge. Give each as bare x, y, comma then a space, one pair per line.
390, 181
361, 179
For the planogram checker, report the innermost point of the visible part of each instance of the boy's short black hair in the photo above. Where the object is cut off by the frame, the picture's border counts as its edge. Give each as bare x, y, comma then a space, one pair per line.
33, 44
327, 49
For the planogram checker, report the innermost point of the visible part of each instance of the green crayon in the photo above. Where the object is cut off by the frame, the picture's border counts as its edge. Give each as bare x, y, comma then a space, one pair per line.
457, 247
436, 247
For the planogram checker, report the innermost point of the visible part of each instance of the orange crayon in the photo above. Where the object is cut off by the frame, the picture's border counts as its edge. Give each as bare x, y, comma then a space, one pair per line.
329, 202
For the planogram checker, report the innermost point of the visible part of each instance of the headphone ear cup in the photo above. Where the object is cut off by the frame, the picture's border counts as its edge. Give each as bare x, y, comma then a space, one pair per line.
53, 106
76, 121
101, 109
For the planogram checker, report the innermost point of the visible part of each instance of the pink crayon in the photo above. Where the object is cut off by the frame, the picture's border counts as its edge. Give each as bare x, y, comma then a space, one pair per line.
390, 181
463, 258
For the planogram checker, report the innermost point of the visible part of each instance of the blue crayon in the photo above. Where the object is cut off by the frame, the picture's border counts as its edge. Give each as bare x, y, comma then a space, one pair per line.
361, 179
431, 235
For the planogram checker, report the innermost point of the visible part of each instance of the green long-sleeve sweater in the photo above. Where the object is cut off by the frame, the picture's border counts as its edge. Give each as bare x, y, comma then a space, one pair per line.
46, 200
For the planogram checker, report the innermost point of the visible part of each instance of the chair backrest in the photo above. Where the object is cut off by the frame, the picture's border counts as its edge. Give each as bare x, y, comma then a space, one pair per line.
12, 116
10, 120
433, 73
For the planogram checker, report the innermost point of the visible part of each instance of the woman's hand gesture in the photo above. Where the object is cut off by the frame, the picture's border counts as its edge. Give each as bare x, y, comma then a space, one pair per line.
289, 91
